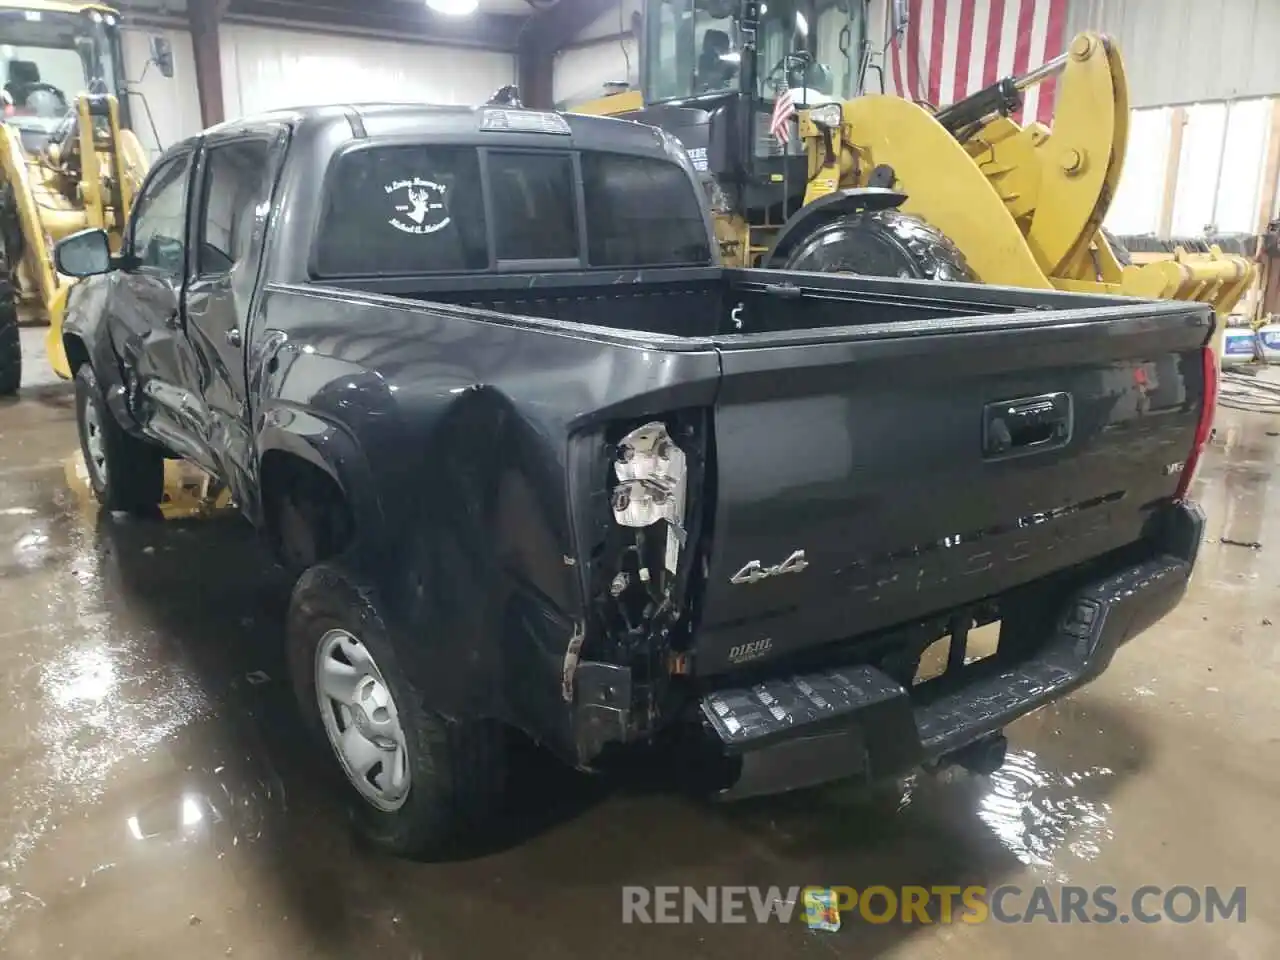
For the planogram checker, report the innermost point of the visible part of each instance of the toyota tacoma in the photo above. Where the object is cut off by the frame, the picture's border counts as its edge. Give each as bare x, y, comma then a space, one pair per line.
543, 465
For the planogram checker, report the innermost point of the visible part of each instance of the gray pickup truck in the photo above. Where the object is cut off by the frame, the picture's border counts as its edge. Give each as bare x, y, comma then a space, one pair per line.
543, 466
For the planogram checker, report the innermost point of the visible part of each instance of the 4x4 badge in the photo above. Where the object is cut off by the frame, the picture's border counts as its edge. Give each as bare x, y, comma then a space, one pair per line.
755, 571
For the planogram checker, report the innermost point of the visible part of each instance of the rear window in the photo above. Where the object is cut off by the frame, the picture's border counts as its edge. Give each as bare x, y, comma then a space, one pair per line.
641, 212
403, 210
408, 210
535, 208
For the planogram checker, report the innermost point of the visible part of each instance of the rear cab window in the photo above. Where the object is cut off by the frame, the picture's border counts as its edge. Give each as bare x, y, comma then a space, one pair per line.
393, 210
535, 206
635, 213
402, 210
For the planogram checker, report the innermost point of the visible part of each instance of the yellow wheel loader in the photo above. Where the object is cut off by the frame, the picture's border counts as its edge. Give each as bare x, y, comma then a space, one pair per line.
880, 185
68, 158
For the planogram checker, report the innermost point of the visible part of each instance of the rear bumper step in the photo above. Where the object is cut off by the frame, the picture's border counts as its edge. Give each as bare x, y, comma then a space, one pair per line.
802, 730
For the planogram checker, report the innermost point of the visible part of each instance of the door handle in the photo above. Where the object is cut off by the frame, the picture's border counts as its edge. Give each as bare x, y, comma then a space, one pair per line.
173, 320
233, 337
1026, 425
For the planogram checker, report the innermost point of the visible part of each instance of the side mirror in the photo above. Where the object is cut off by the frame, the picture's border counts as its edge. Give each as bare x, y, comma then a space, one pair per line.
900, 17
83, 254
162, 55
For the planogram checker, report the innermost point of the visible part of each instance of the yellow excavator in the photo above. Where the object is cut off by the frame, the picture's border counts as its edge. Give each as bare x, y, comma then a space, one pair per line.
880, 185
68, 157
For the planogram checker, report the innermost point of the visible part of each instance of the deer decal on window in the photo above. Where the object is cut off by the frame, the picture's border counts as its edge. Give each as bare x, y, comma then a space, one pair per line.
420, 201
425, 210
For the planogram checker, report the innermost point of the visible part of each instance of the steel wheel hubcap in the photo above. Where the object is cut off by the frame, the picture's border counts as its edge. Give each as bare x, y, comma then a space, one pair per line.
94, 442
361, 720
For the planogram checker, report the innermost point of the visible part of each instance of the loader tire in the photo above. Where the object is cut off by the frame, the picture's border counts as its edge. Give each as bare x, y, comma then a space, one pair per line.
882, 243
10, 343
1118, 249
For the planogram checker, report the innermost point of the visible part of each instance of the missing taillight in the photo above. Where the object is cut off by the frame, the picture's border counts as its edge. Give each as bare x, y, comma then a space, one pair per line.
651, 473
644, 568
1204, 426
648, 497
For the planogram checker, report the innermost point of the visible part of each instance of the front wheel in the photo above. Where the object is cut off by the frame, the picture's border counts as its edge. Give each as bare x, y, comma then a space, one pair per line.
420, 785
881, 243
125, 473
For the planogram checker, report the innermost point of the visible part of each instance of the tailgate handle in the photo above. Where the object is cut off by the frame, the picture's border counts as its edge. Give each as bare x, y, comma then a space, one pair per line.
1026, 425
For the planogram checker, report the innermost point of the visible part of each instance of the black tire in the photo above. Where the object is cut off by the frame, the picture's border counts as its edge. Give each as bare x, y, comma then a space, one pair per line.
127, 474
10, 343
883, 243
457, 769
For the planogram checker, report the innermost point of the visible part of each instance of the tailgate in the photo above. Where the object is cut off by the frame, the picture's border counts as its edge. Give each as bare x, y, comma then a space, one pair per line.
866, 477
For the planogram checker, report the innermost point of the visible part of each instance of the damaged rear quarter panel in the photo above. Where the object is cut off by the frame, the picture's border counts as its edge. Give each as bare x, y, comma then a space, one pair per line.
463, 419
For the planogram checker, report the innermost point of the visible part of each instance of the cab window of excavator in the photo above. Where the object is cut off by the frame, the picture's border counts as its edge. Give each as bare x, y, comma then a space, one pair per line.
47, 58
828, 34
102, 50
37, 79
692, 48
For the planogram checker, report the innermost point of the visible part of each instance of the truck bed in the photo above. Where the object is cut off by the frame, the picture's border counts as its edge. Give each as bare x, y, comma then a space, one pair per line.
691, 302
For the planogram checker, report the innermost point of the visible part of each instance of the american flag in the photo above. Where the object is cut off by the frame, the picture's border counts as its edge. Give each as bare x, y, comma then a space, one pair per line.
952, 48
784, 108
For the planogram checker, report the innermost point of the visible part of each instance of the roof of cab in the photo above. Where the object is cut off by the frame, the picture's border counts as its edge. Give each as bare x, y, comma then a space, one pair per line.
376, 120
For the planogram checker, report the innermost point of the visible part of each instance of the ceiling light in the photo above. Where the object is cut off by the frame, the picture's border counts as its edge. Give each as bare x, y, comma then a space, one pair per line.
454, 8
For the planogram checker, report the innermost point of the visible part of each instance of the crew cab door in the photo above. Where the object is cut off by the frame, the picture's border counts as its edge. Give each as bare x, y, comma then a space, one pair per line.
233, 187
144, 307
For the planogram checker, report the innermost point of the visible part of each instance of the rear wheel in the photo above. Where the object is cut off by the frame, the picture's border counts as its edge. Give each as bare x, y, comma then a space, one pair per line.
419, 785
10, 344
882, 243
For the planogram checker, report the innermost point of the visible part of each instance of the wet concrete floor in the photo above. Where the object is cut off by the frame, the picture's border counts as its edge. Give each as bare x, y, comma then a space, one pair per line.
157, 799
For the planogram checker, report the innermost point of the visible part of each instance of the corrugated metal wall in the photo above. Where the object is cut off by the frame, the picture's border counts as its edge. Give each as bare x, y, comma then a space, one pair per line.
1184, 51
269, 67
264, 68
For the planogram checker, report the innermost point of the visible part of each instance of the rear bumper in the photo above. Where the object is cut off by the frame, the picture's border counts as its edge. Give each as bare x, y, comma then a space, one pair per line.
802, 730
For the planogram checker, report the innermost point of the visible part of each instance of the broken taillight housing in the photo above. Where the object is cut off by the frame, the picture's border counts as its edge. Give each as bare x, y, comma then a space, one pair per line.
1204, 426
641, 557
651, 478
